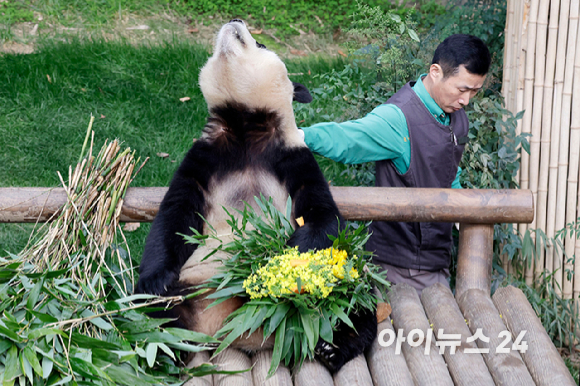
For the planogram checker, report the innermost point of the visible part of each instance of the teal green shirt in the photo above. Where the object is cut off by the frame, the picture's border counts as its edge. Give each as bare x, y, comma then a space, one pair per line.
382, 134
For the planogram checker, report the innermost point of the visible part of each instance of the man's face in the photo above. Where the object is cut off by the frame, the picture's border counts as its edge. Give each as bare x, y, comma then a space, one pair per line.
454, 92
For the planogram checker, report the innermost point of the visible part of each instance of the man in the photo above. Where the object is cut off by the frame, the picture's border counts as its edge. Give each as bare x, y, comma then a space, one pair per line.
416, 139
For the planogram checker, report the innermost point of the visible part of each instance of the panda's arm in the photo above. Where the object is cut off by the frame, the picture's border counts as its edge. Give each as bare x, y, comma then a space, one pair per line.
165, 250
311, 197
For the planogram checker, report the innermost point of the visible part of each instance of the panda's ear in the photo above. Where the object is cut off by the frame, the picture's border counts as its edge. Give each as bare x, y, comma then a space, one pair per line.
301, 93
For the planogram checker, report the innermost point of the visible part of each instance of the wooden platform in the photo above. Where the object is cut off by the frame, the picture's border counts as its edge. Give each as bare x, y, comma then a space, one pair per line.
402, 365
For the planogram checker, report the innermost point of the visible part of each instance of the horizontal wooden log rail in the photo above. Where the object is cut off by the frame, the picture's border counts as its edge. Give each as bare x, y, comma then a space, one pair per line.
476, 206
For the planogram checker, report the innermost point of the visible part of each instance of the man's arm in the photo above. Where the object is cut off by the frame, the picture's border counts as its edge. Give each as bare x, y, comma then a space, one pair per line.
380, 135
455, 184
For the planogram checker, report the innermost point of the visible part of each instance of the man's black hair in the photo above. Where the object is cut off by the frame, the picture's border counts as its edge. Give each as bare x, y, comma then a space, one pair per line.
467, 50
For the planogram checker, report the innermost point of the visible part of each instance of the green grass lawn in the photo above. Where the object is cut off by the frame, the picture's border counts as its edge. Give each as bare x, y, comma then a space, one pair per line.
47, 99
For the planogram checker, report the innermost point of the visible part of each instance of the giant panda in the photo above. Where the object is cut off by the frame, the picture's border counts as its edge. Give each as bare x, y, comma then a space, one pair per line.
249, 146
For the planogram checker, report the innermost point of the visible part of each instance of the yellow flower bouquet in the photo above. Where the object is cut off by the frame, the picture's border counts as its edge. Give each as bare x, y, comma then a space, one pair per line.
297, 297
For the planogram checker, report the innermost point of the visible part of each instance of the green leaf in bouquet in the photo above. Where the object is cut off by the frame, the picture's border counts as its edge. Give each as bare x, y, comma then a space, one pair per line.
325, 326
341, 315
227, 292
278, 346
308, 322
279, 314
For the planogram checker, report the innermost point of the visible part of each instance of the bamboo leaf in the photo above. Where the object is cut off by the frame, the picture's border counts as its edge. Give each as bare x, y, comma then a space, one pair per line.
278, 345
47, 364
26, 367
341, 315
33, 360
151, 354
325, 327
33, 296
166, 350
308, 326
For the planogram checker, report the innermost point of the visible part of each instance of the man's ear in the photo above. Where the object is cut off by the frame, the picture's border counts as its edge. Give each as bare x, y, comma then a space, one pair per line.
436, 72
301, 93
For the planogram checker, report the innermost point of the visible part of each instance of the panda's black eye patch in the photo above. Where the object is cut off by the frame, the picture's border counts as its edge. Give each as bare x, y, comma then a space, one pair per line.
260, 45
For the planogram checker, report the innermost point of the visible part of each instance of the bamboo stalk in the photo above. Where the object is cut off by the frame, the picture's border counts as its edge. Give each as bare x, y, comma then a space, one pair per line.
508, 53
572, 197
529, 86
565, 136
526, 84
546, 127
517, 57
536, 129
555, 135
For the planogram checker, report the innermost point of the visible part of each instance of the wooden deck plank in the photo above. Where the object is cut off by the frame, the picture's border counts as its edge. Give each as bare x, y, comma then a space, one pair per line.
198, 359
313, 373
407, 315
542, 359
232, 360
507, 369
386, 367
261, 361
466, 368
354, 373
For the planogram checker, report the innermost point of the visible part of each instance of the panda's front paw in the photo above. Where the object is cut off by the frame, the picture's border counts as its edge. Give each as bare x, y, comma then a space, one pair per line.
329, 355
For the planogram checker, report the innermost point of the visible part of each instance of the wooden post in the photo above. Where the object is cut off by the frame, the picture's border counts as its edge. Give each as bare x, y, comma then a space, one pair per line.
475, 258
507, 369
465, 368
407, 315
541, 357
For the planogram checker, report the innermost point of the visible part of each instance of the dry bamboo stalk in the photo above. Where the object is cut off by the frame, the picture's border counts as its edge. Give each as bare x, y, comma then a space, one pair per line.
546, 127
565, 136
529, 86
572, 197
508, 33
88, 221
517, 49
555, 135
527, 45
536, 112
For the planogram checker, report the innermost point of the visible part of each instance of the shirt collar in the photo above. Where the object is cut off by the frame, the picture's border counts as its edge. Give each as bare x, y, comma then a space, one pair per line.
427, 100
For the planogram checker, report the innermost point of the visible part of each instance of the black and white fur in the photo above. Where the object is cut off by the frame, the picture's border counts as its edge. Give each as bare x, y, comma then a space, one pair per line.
249, 146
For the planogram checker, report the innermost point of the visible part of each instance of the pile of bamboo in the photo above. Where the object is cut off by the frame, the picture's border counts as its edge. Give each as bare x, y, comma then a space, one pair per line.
542, 77
88, 224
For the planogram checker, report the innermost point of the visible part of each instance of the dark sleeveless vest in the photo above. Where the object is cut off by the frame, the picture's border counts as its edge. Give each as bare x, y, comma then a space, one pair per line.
436, 150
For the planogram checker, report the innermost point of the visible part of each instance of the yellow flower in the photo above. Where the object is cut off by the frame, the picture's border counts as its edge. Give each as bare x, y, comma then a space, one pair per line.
318, 271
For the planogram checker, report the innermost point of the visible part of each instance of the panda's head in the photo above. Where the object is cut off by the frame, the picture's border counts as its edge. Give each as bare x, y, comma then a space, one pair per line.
243, 71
